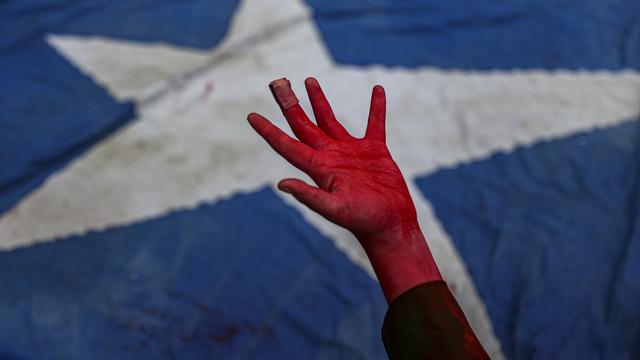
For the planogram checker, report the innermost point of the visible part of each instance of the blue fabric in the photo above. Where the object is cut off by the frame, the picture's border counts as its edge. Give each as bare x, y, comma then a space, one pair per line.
470, 34
51, 112
243, 278
192, 23
551, 236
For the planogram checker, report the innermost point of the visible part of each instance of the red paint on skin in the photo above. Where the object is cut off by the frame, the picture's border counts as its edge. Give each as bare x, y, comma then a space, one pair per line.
359, 186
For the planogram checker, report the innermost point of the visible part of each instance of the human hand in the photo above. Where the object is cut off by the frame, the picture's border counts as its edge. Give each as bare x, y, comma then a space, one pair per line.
359, 186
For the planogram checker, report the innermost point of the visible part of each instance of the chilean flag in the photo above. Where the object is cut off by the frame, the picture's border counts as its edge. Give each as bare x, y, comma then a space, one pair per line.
139, 219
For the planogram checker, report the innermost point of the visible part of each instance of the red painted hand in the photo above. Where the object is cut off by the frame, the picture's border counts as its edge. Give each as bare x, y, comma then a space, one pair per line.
359, 186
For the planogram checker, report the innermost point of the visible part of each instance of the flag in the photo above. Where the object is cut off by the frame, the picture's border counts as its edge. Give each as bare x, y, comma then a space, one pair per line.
139, 219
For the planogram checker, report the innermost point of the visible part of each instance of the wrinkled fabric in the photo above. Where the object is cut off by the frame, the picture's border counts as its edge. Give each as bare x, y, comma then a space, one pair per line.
51, 111
483, 35
202, 283
551, 236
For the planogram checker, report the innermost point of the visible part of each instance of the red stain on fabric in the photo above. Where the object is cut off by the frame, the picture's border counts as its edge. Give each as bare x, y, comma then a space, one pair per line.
208, 89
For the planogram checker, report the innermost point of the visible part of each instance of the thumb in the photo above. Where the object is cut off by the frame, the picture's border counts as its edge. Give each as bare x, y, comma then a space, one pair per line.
318, 200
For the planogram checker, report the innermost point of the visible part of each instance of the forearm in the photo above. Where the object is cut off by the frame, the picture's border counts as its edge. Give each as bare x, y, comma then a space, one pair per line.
424, 320
401, 259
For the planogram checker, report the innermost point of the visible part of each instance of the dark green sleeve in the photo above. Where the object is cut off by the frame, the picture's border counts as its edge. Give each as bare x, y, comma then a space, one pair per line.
426, 323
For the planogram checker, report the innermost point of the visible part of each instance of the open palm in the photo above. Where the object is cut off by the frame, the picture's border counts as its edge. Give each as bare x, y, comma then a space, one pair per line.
360, 187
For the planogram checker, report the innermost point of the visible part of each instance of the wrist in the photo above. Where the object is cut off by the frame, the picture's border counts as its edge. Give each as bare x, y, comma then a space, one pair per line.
400, 258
